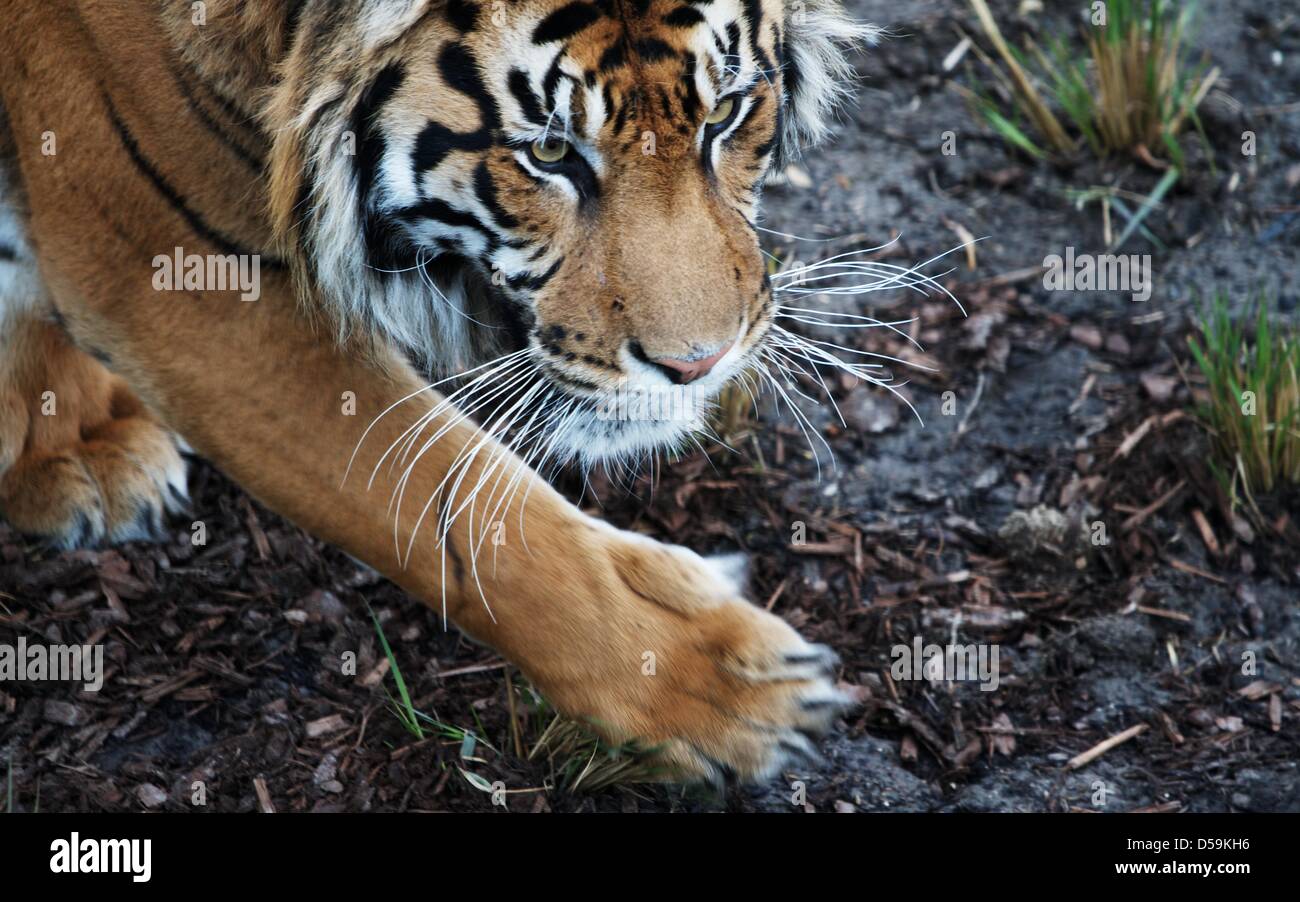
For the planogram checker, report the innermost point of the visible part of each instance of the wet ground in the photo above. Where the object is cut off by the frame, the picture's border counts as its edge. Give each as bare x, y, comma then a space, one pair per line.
1172, 620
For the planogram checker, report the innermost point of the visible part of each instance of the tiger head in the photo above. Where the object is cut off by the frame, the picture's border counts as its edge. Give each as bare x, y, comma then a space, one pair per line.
558, 196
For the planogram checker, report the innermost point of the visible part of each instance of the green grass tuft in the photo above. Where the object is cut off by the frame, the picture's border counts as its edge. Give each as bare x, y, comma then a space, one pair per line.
1253, 406
402, 706
582, 762
578, 760
1125, 86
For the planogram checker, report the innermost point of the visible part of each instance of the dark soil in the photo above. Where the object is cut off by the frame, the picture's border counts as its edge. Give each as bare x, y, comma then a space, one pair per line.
227, 659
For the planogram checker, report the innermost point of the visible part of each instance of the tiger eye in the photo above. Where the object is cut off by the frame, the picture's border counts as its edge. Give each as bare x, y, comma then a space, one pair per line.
550, 150
721, 111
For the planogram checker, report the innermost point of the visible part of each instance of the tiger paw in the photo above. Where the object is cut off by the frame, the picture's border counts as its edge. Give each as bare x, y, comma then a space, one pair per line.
670, 656
82, 462
115, 486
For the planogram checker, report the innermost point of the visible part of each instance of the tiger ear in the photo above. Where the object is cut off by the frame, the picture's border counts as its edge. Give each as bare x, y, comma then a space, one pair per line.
817, 72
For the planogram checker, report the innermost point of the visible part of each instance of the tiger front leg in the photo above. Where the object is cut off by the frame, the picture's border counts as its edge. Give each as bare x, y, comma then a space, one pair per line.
638, 639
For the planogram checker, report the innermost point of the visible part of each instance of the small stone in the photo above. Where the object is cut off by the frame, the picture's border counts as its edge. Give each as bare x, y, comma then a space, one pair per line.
63, 713
1088, 336
1160, 388
327, 770
869, 412
798, 177
321, 726
150, 796
324, 605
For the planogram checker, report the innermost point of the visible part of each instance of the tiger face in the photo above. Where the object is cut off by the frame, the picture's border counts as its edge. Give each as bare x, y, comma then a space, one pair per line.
559, 196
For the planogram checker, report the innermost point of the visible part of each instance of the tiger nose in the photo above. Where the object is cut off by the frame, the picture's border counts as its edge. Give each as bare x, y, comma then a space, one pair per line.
683, 370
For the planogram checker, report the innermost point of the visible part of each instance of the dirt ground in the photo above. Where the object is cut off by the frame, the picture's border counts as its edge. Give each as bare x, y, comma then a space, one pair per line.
225, 658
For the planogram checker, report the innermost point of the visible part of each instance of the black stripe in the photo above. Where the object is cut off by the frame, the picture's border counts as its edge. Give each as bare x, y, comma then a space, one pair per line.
388, 251
778, 131
249, 158
719, 44
665, 104
778, 42
688, 93
460, 71
613, 57
174, 198
291, 23
524, 96
565, 22
463, 15
237, 113
754, 17
486, 191
684, 17
435, 141
533, 281
652, 50
733, 42
538, 282
8, 254
520, 320
380, 244
551, 81
790, 77
626, 110
319, 113
458, 565
440, 211
607, 96
370, 140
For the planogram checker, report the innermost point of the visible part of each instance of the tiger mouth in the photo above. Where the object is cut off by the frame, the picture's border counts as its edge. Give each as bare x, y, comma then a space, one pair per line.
549, 422
550, 417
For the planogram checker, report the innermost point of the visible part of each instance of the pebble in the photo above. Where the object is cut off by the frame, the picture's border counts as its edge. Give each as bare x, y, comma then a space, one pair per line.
63, 713
869, 412
150, 796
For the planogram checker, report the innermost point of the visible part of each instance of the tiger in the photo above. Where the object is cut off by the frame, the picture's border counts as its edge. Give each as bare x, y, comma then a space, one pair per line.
560, 197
